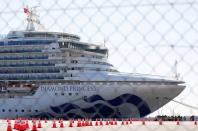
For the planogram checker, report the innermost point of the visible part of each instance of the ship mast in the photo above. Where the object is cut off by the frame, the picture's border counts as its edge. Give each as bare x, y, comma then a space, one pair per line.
32, 18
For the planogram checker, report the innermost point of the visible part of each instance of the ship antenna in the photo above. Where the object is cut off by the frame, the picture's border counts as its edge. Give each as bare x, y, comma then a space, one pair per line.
175, 68
105, 41
32, 17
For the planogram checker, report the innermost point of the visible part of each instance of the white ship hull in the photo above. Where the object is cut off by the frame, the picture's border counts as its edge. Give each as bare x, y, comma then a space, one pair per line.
121, 100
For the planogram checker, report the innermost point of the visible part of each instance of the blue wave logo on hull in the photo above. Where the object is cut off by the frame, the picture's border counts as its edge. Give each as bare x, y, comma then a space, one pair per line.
102, 109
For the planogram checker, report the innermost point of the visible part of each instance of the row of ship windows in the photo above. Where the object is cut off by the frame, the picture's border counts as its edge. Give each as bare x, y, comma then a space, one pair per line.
24, 72
20, 51
44, 35
31, 71
19, 65
27, 42
68, 37
98, 83
22, 110
27, 63
51, 71
75, 54
26, 57
44, 61
91, 69
30, 77
78, 46
72, 68
32, 62
90, 62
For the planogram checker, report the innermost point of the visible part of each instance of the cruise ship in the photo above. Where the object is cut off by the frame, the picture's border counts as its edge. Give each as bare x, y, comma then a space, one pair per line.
54, 74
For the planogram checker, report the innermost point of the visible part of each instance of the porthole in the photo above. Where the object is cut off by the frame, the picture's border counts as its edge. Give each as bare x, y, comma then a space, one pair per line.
16, 110
56, 94
9, 110
62, 94
22, 110
3, 110
36, 110
29, 110
70, 94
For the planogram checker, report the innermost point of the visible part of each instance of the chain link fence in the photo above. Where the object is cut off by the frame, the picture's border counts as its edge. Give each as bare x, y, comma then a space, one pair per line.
147, 36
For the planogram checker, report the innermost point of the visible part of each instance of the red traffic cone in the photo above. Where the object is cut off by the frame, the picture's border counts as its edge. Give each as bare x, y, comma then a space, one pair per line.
39, 124
107, 122
54, 124
79, 124
22, 126
9, 127
83, 122
178, 122
101, 122
131, 121
16, 125
127, 122
32, 119
90, 123
70, 124
115, 121
143, 122
160, 122
8, 119
195, 122
45, 120
122, 122
34, 128
86, 123
61, 125
96, 124
27, 125
111, 121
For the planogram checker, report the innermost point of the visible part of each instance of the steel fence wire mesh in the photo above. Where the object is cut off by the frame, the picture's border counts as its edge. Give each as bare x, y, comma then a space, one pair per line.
157, 37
